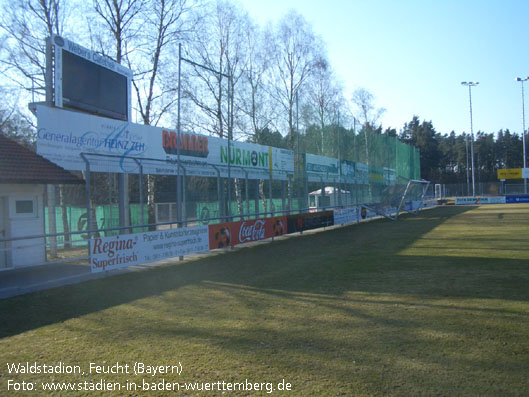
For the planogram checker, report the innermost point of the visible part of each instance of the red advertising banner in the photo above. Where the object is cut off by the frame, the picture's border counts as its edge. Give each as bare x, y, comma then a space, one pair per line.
232, 233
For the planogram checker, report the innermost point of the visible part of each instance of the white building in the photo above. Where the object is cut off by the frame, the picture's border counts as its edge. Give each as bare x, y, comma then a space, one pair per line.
23, 179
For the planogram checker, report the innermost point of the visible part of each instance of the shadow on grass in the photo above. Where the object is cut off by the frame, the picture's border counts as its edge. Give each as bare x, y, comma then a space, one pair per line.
360, 257
345, 312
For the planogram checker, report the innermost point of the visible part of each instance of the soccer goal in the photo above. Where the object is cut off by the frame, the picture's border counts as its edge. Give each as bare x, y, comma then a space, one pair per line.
413, 198
405, 195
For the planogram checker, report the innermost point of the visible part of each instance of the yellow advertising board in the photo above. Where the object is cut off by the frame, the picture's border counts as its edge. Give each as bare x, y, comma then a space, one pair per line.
510, 173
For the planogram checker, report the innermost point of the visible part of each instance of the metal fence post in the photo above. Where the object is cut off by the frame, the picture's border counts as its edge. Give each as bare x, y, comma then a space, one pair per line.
142, 210
87, 192
271, 195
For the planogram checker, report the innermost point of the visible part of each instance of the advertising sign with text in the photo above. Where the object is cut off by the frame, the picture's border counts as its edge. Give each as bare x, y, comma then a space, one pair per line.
480, 200
63, 135
233, 233
114, 252
510, 173
362, 173
301, 222
321, 167
516, 199
346, 215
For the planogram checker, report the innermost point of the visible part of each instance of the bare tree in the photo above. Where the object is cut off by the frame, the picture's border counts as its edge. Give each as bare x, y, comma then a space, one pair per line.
119, 20
165, 24
324, 99
254, 99
25, 25
368, 114
295, 52
218, 45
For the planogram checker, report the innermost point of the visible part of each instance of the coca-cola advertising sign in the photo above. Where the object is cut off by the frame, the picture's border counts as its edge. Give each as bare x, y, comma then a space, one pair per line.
233, 233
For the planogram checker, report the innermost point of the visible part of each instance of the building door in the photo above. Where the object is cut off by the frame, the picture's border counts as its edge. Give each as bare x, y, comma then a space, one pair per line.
3, 232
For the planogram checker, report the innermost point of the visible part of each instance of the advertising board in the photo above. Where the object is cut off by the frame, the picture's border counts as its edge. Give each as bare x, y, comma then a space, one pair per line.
480, 200
348, 171
233, 233
63, 135
390, 176
315, 220
510, 173
114, 252
362, 173
321, 167
346, 215
516, 199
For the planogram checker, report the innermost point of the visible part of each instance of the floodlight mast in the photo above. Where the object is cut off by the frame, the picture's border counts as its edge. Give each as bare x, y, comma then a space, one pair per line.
471, 84
521, 80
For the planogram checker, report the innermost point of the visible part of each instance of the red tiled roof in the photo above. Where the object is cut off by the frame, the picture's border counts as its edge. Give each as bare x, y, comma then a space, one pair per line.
19, 164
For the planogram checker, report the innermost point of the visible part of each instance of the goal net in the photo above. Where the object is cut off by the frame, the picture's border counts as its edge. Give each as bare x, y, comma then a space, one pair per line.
403, 195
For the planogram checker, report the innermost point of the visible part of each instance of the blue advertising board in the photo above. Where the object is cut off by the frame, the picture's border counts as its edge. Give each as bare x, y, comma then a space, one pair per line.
516, 199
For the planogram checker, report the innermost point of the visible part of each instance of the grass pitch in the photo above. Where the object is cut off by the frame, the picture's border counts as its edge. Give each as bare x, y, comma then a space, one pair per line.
436, 304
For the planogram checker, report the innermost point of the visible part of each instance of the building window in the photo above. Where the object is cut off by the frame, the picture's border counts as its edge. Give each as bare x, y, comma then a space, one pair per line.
24, 207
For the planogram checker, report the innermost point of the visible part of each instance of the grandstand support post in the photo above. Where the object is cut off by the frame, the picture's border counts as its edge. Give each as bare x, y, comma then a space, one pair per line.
220, 196
305, 186
123, 194
142, 210
52, 220
283, 195
271, 196
256, 196
339, 185
289, 193
322, 195
230, 97
178, 138
87, 193
183, 214
246, 193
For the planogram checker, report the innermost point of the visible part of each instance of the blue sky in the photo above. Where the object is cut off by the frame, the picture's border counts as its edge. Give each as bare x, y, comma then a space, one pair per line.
412, 55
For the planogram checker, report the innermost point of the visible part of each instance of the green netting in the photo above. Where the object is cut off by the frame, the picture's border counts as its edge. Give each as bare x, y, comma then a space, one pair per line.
350, 167
382, 165
74, 219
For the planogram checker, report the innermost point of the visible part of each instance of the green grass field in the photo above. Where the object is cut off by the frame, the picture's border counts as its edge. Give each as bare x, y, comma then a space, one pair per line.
431, 305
